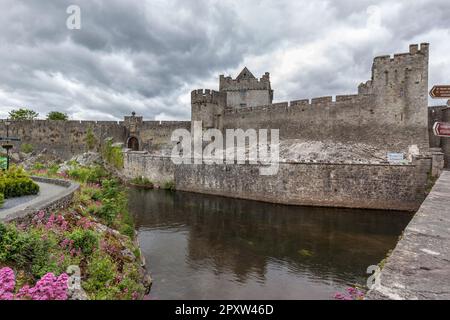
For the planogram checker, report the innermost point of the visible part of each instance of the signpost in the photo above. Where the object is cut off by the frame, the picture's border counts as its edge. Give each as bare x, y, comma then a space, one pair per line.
441, 129
440, 92
6, 144
9, 139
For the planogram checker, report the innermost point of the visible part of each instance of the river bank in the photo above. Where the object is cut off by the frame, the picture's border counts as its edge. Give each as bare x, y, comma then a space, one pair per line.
94, 234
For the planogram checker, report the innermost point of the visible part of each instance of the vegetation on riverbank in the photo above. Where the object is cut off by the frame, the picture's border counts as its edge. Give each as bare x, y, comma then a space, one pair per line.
142, 182
95, 233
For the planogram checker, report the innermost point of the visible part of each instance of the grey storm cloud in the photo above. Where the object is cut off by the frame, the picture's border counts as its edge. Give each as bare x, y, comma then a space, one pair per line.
146, 56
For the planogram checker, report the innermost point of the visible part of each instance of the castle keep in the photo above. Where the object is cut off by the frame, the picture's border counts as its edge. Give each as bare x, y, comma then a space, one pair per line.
388, 113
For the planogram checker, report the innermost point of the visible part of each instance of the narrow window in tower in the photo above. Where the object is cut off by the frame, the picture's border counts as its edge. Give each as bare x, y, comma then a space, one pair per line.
386, 78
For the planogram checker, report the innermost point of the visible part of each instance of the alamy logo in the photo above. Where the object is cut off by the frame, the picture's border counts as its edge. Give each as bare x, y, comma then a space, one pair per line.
374, 279
74, 281
73, 22
237, 147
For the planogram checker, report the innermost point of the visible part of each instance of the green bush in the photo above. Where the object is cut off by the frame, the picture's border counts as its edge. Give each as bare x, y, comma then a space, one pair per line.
8, 241
29, 250
141, 181
110, 189
2, 199
96, 175
101, 272
23, 114
16, 183
53, 169
56, 115
112, 154
26, 148
79, 174
38, 166
89, 175
84, 240
169, 185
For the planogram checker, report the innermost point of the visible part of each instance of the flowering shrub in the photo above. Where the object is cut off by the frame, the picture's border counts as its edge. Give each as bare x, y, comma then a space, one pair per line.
7, 284
350, 294
84, 240
49, 287
74, 236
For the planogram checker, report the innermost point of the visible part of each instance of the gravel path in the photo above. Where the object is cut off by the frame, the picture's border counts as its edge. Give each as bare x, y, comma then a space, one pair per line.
46, 191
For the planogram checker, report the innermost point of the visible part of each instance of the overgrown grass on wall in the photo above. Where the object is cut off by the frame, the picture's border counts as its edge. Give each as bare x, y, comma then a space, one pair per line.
91, 141
113, 154
26, 148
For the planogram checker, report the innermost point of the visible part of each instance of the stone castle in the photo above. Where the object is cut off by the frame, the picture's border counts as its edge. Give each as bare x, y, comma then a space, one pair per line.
389, 113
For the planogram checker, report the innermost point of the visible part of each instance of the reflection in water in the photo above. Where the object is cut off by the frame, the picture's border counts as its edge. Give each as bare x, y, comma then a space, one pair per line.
207, 247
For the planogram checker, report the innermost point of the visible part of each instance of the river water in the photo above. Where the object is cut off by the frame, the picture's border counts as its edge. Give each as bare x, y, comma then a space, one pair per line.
208, 247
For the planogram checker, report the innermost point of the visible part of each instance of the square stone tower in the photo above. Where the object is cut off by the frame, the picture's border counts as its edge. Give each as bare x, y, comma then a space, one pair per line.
246, 90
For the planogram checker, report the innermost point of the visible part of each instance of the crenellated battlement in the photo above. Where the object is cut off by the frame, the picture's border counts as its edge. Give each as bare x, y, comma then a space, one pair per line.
206, 96
352, 99
414, 52
244, 83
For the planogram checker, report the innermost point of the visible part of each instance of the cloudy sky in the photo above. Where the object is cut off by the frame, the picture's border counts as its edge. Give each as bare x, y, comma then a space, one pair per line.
146, 56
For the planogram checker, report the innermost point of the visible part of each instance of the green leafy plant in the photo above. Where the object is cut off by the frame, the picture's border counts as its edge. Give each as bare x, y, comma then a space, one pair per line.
23, 114
84, 240
102, 272
56, 115
26, 148
91, 141
15, 182
30, 250
2, 199
169, 185
38, 166
96, 175
53, 169
142, 181
112, 154
50, 243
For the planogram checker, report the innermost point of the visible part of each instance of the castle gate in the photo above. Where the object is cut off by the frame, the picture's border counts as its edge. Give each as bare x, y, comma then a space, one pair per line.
133, 143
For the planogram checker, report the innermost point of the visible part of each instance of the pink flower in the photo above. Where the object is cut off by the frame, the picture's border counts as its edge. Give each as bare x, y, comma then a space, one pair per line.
351, 294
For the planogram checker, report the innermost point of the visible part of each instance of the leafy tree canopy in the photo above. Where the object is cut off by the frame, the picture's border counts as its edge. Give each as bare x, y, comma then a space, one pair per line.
23, 114
55, 115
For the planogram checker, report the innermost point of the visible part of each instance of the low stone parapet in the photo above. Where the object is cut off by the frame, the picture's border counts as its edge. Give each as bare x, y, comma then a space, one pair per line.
419, 266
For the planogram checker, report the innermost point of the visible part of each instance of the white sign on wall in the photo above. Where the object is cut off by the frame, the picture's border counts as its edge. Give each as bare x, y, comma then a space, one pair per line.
393, 157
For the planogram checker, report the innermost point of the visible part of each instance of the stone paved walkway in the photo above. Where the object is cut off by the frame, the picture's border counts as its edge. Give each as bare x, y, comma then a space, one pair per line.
47, 191
419, 267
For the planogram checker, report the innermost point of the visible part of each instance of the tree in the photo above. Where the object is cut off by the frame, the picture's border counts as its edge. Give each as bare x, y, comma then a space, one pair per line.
23, 114
55, 115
